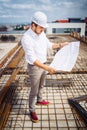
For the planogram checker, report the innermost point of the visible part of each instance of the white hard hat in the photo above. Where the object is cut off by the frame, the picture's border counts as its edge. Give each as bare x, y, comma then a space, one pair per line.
40, 18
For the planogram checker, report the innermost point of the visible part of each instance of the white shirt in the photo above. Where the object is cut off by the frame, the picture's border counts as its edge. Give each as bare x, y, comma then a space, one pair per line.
35, 46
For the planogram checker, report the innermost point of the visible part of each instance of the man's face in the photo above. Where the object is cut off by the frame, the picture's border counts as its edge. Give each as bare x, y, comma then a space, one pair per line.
38, 29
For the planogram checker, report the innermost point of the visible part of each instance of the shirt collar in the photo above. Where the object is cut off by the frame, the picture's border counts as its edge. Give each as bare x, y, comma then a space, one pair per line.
33, 34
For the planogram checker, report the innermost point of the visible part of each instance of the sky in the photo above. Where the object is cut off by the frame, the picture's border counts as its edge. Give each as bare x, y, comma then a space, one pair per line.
21, 11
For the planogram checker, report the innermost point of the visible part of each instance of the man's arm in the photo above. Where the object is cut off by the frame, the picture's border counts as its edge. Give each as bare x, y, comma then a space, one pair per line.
59, 45
45, 67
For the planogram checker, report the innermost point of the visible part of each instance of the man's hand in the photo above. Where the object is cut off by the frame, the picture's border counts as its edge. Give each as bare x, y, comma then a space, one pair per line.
45, 67
51, 70
63, 44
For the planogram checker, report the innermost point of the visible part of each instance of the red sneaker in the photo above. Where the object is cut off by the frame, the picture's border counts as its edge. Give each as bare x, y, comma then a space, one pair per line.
34, 117
43, 103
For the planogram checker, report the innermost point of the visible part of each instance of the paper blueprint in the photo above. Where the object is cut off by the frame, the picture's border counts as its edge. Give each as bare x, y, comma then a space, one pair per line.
66, 57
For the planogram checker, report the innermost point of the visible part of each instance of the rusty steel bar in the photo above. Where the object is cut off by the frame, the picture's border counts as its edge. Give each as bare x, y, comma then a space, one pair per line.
7, 92
6, 106
14, 62
8, 56
16, 59
2, 108
4, 115
8, 59
7, 86
72, 72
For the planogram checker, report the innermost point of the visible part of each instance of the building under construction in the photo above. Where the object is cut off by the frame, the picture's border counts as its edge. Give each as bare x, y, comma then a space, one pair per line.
67, 91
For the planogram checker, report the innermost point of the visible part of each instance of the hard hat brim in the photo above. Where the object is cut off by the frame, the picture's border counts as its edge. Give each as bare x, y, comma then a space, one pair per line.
42, 25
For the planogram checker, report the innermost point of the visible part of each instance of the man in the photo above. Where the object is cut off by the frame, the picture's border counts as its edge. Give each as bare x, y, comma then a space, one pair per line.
35, 44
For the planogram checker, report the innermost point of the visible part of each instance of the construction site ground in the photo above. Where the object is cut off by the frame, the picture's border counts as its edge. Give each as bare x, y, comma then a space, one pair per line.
60, 87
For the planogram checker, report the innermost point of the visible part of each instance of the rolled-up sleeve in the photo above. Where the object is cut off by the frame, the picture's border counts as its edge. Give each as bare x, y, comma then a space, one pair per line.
29, 50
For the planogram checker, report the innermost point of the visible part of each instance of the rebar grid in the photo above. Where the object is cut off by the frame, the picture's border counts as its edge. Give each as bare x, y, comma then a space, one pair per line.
58, 115
58, 89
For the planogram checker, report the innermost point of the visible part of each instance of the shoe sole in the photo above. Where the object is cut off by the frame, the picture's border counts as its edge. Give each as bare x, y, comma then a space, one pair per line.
34, 121
42, 104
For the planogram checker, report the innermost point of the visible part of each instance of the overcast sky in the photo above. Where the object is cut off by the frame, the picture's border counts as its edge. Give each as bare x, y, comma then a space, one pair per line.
20, 11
